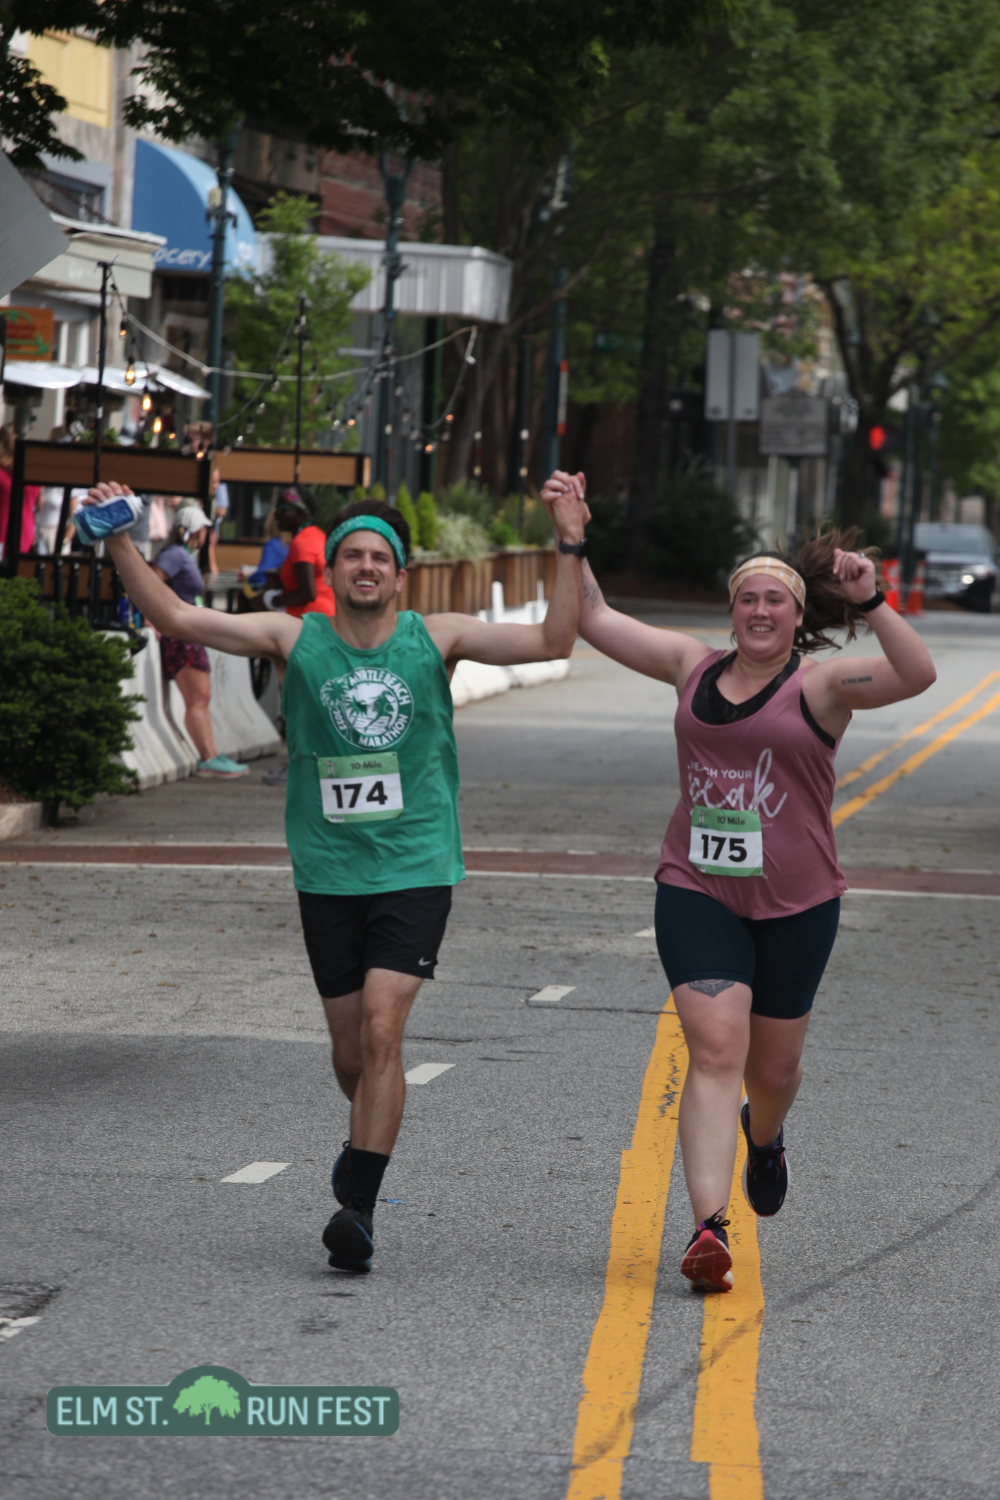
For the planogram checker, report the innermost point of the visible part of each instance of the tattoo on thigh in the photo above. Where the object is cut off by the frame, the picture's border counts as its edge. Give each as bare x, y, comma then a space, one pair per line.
710, 986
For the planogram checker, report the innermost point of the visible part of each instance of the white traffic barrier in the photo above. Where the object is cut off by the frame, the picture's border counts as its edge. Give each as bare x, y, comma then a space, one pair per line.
473, 680
162, 749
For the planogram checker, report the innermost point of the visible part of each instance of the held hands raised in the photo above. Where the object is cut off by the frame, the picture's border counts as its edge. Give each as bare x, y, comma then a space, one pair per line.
563, 498
856, 573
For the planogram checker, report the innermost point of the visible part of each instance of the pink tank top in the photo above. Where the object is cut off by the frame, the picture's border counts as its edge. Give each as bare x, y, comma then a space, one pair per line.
755, 795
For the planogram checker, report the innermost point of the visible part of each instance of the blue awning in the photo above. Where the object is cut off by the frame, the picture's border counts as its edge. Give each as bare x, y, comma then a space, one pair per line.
170, 198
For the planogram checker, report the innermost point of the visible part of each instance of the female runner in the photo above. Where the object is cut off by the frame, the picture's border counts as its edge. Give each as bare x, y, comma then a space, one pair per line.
748, 886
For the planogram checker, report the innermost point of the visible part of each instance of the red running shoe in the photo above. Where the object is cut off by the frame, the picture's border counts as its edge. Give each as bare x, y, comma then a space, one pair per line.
707, 1263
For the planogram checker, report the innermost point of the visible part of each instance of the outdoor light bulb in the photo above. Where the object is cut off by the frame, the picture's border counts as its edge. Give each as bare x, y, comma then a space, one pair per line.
350, 421
122, 329
130, 375
398, 391
449, 418
147, 403
157, 425
261, 407
239, 437
200, 453
276, 384
171, 436
428, 447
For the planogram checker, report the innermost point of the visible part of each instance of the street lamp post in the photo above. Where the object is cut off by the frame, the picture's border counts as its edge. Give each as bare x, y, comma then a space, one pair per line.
395, 185
219, 217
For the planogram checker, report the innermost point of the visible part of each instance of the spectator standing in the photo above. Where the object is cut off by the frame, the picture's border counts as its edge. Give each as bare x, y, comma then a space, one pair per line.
220, 510
32, 493
299, 588
185, 663
273, 552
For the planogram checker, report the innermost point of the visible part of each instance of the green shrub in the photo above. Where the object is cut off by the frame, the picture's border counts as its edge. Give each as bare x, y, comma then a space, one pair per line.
404, 504
697, 531
427, 519
468, 499
607, 534
462, 536
502, 534
63, 717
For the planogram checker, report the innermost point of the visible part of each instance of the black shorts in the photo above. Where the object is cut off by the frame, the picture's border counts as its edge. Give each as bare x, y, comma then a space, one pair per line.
348, 935
781, 958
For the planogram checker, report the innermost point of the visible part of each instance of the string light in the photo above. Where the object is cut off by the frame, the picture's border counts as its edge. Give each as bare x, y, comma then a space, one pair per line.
130, 374
123, 329
261, 406
147, 402
157, 425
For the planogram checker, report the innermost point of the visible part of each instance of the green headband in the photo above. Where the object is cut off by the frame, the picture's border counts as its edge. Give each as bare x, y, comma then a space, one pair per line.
366, 523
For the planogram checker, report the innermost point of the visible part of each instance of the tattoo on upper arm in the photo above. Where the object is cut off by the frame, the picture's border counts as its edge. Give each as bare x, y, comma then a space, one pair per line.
591, 592
710, 986
847, 681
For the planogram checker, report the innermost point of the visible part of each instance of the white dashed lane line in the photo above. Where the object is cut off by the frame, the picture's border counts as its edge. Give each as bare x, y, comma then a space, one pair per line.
10, 1327
424, 1072
258, 1171
552, 994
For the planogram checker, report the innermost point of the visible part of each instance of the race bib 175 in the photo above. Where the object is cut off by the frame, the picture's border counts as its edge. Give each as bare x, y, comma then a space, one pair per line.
360, 788
726, 842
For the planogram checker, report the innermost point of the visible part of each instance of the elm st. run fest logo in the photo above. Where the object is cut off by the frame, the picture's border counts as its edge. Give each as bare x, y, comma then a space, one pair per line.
371, 708
211, 1401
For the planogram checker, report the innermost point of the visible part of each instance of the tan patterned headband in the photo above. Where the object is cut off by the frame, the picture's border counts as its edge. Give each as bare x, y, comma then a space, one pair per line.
774, 568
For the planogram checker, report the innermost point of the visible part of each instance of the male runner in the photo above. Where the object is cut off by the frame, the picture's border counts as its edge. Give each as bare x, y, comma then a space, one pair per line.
372, 804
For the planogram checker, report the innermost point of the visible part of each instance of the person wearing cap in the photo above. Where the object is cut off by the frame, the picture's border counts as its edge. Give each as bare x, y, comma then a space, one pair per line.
748, 884
183, 661
372, 803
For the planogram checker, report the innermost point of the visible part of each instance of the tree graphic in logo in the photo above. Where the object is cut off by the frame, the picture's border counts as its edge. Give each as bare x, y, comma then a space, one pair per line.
208, 1395
371, 708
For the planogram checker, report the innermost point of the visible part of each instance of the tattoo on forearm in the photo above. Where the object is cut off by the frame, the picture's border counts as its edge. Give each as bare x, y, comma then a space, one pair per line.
591, 592
710, 986
846, 681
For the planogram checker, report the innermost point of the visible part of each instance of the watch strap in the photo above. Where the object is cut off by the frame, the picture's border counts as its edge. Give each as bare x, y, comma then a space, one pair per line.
873, 603
576, 549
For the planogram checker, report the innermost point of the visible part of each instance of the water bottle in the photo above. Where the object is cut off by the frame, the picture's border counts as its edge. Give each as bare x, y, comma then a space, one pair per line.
95, 523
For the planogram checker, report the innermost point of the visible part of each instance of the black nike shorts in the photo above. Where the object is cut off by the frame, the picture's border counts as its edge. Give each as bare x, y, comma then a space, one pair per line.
348, 935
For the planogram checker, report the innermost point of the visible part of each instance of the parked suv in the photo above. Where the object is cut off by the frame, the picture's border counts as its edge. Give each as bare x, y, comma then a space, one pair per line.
961, 563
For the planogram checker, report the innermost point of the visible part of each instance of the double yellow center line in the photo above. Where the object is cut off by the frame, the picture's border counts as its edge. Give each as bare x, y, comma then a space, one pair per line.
913, 762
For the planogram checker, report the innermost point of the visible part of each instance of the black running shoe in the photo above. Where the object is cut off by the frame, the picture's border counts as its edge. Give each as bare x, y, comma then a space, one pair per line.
340, 1177
350, 1241
765, 1171
707, 1263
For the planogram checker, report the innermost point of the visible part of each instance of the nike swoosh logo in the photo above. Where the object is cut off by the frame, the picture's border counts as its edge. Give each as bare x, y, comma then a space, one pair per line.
424, 963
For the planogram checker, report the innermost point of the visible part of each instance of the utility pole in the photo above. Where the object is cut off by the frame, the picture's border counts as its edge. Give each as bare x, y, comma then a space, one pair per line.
102, 340
301, 331
556, 367
395, 185
219, 217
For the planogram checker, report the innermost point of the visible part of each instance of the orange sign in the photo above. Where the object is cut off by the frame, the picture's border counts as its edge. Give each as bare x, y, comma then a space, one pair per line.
31, 332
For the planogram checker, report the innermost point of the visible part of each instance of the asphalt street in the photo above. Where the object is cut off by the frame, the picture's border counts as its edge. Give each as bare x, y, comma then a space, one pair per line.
161, 1032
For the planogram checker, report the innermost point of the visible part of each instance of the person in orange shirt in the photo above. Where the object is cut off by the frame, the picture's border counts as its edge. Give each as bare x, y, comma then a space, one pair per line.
299, 587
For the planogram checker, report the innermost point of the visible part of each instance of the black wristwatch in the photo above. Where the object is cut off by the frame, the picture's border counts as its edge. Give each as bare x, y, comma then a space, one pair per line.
577, 549
873, 603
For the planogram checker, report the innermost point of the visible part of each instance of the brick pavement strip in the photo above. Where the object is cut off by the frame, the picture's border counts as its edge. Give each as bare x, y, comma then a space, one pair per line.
477, 861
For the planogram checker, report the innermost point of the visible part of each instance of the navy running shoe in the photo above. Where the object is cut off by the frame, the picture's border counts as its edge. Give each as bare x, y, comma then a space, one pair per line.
707, 1263
765, 1171
340, 1177
350, 1240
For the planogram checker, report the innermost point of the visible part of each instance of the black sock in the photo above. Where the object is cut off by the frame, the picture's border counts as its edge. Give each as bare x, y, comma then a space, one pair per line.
367, 1171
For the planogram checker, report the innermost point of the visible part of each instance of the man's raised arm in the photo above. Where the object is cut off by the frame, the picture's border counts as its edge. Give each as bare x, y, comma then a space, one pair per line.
241, 635
501, 645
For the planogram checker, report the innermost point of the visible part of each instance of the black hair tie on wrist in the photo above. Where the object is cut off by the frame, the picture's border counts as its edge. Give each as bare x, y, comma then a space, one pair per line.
873, 603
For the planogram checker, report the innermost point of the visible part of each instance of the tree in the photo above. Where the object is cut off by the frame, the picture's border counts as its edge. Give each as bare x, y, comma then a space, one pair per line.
64, 720
321, 69
29, 105
261, 312
207, 1395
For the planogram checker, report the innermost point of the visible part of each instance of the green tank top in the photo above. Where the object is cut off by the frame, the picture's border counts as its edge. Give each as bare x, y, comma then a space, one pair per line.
372, 801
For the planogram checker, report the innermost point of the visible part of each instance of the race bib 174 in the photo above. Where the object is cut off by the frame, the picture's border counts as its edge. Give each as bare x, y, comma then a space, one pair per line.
726, 842
360, 788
